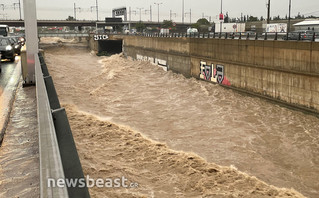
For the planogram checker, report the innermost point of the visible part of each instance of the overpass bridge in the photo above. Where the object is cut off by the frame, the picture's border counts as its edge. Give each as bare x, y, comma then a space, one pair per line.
42, 23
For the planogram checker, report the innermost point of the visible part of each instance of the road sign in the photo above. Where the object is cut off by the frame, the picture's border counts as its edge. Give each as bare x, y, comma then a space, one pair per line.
221, 16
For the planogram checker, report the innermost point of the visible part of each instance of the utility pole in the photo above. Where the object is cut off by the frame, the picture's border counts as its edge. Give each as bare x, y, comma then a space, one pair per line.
151, 13
140, 13
183, 12
288, 30
75, 10
268, 12
150, 10
97, 11
190, 15
14, 6
158, 4
170, 15
221, 12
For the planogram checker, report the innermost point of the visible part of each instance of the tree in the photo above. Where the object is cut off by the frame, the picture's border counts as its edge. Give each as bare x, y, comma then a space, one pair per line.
167, 24
252, 18
226, 19
262, 18
203, 21
277, 17
140, 27
299, 16
70, 18
202, 25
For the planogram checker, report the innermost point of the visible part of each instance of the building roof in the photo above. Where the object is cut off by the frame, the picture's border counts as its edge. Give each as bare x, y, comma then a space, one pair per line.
307, 23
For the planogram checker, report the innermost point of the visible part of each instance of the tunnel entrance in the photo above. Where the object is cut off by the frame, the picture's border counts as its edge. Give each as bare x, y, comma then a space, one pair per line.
110, 46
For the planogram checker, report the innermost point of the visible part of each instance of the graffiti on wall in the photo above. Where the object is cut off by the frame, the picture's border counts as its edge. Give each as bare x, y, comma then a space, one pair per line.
214, 74
155, 61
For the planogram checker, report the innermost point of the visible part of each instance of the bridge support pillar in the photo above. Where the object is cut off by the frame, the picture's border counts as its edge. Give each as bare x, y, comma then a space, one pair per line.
31, 32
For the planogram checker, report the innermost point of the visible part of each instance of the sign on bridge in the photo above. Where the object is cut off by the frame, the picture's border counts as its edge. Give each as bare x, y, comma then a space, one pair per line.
101, 37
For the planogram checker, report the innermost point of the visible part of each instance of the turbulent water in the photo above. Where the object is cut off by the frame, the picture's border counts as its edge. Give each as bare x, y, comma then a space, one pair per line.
277, 145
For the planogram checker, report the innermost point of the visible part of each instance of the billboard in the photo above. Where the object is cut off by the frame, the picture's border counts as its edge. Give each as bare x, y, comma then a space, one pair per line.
277, 27
120, 12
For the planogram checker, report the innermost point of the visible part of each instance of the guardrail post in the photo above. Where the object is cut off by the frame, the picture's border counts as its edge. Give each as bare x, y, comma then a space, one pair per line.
256, 36
247, 37
313, 37
276, 35
239, 36
220, 35
265, 36
299, 36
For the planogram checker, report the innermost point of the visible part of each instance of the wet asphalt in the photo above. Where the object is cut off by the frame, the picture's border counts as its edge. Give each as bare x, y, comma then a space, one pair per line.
7, 70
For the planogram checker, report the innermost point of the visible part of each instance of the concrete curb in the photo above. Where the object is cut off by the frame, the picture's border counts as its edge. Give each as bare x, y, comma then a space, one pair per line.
6, 101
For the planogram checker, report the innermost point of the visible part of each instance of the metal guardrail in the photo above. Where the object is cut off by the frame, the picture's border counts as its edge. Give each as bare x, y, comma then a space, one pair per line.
63, 35
58, 155
50, 159
238, 35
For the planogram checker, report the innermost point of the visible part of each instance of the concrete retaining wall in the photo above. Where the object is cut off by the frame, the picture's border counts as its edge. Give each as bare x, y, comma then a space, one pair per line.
287, 71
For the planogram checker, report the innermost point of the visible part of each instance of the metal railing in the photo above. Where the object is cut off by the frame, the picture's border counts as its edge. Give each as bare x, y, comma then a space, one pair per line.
58, 155
49, 153
64, 35
314, 37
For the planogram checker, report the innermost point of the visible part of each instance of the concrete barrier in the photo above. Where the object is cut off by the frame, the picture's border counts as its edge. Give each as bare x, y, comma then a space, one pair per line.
286, 71
59, 160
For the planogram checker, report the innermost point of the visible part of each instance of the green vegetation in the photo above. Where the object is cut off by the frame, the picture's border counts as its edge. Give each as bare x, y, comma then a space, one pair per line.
202, 25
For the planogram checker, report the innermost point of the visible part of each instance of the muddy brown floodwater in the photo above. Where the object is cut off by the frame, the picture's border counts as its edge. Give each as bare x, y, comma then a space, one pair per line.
277, 145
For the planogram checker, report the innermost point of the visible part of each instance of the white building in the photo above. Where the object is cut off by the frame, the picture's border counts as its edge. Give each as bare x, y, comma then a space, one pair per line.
308, 25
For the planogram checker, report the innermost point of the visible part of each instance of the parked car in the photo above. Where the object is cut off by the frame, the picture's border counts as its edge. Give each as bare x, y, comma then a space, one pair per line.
7, 48
300, 35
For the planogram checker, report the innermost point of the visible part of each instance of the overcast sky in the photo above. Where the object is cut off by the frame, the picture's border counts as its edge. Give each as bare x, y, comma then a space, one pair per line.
61, 9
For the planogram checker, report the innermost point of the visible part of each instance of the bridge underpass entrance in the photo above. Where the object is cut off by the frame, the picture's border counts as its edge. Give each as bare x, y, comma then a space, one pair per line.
110, 46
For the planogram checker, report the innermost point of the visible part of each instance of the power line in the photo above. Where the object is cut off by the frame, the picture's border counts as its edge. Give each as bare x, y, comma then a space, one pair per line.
19, 4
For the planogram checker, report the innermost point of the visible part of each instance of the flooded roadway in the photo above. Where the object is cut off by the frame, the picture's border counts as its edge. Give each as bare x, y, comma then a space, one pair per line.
6, 73
277, 145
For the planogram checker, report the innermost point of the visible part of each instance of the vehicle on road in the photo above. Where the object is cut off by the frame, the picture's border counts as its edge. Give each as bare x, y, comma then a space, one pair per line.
17, 43
192, 31
300, 35
7, 48
4, 30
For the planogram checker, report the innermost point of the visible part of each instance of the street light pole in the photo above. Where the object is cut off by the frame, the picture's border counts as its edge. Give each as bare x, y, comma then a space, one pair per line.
158, 4
268, 12
20, 10
289, 17
19, 4
221, 12
140, 13
97, 11
183, 11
